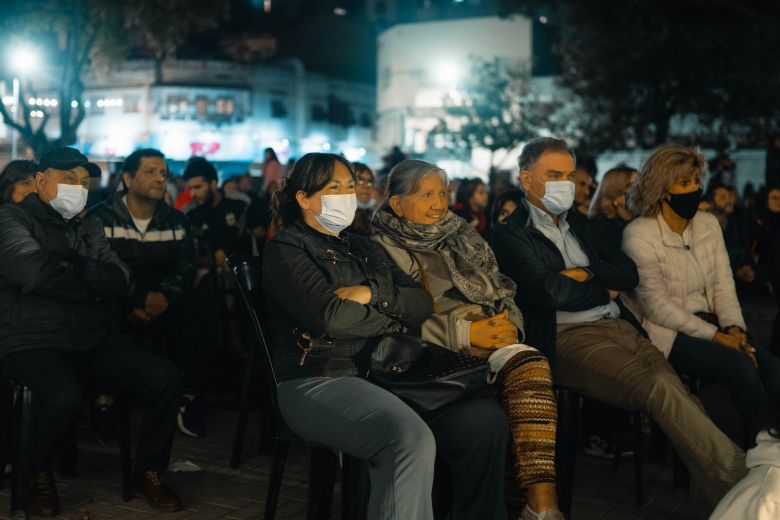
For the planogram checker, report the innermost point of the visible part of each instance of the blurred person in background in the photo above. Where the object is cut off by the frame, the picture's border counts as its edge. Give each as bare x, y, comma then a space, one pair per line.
583, 190
768, 251
504, 205
17, 180
365, 192
722, 205
272, 168
471, 202
608, 214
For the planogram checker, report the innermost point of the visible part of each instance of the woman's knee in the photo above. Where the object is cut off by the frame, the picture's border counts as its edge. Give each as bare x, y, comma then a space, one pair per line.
487, 424
413, 437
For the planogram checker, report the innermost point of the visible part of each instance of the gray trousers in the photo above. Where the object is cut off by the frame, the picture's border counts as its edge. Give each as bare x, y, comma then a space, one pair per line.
354, 416
610, 361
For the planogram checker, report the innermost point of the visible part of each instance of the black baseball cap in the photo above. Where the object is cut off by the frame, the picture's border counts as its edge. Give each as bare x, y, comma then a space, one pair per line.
67, 158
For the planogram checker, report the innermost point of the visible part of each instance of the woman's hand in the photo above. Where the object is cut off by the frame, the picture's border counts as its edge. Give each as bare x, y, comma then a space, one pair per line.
737, 343
356, 293
494, 332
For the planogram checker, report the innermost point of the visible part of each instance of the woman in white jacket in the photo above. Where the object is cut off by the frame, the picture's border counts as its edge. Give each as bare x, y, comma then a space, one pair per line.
686, 298
757, 496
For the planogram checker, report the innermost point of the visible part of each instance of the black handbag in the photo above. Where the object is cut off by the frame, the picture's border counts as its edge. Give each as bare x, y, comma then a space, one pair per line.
425, 375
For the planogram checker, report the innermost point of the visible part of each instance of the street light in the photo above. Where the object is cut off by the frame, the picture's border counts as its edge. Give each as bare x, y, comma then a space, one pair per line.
23, 60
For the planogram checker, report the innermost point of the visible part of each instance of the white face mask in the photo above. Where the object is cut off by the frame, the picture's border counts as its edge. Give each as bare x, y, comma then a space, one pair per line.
338, 212
70, 200
371, 204
558, 196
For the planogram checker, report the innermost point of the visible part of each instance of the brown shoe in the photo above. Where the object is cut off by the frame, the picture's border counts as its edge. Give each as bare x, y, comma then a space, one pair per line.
45, 501
150, 486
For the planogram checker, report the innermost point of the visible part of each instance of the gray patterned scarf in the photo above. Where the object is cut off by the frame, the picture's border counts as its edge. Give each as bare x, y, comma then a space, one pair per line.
470, 261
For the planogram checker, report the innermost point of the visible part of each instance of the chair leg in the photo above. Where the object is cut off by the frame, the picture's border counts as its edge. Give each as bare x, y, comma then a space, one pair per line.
69, 452
355, 489
566, 447
20, 493
275, 479
243, 414
6, 429
124, 449
322, 481
267, 427
680, 476
636, 418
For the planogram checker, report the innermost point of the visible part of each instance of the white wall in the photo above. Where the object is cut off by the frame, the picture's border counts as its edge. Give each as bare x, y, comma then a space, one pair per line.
419, 63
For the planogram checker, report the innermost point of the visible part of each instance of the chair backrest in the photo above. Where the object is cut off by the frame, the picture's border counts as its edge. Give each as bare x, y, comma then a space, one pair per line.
247, 273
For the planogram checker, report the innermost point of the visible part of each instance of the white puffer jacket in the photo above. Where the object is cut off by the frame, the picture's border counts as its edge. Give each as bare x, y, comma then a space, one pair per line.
757, 496
660, 255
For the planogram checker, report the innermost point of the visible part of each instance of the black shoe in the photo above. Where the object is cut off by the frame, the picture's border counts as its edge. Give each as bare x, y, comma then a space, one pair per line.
190, 418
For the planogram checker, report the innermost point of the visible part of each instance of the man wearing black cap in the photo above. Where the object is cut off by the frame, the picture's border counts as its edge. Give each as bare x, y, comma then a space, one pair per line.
58, 281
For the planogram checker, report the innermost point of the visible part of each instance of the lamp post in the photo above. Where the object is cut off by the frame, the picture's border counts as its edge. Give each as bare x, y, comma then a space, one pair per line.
23, 60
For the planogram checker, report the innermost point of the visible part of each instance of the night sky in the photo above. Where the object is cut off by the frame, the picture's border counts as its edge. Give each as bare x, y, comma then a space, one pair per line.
339, 45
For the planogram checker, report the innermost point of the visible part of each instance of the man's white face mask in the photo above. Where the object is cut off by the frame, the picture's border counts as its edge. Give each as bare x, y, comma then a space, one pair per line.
70, 200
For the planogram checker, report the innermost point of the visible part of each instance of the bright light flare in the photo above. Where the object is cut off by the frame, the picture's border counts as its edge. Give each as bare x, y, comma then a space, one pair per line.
448, 73
23, 59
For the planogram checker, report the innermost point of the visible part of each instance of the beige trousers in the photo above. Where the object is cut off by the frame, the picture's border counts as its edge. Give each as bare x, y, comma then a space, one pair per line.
610, 361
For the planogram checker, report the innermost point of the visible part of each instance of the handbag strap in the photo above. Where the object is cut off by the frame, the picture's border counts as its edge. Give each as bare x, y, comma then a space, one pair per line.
424, 280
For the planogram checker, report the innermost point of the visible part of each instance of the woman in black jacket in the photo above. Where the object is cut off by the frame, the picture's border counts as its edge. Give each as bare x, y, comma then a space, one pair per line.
328, 294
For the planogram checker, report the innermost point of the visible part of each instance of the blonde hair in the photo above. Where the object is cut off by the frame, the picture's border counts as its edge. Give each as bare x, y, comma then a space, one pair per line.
612, 186
657, 175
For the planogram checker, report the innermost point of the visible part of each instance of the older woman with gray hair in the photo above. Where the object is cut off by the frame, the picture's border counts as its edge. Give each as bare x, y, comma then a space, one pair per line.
475, 312
686, 299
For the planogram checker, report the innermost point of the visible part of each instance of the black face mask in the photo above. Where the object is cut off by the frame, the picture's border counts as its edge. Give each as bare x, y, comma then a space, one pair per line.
685, 204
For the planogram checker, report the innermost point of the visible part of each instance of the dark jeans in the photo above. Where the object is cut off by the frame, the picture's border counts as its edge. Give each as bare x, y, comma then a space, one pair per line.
189, 334
472, 437
54, 377
754, 391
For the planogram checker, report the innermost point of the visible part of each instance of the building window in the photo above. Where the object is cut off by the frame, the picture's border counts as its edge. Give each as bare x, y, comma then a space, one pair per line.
201, 106
131, 104
177, 105
278, 109
225, 106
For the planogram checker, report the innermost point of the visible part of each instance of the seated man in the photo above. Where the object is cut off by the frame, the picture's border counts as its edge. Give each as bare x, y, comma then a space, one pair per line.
58, 279
567, 287
218, 222
155, 242
735, 233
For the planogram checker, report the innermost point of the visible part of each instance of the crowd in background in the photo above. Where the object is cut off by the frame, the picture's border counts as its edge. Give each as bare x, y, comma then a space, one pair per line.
474, 267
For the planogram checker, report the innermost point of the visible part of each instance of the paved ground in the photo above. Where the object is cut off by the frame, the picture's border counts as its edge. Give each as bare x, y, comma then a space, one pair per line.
217, 491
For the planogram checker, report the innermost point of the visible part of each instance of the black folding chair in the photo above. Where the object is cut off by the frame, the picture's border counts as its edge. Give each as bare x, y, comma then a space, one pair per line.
566, 447
15, 448
323, 461
15, 403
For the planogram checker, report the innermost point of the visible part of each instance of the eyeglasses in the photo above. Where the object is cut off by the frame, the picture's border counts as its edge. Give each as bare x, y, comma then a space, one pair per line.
364, 182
